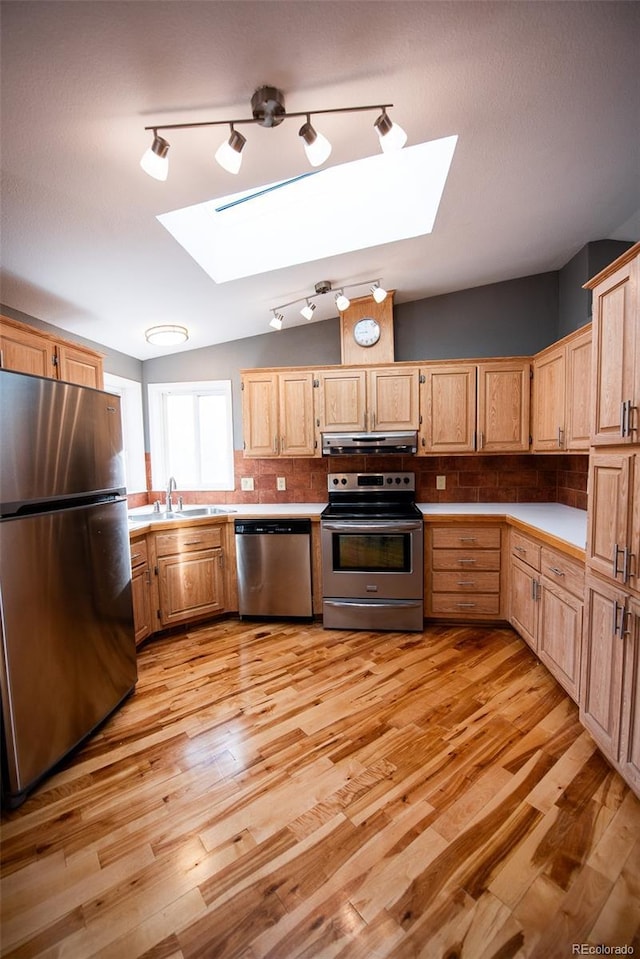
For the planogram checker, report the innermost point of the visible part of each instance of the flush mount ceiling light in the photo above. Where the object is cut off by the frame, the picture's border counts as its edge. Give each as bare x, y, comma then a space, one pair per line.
168, 335
321, 288
268, 110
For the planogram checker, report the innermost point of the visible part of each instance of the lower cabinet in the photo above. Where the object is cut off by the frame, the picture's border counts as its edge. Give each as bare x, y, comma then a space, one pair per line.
141, 589
545, 607
610, 694
190, 568
464, 570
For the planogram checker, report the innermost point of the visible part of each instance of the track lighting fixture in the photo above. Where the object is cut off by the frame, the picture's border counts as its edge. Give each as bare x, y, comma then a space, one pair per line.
167, 335
324, 286
268, 110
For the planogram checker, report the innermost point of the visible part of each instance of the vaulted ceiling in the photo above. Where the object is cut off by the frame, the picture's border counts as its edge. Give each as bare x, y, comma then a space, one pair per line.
544, 97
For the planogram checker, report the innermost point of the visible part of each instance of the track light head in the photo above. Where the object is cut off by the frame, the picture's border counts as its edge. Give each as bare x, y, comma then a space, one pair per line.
342, 302
276, 321
316, 146
378, 293
229, 153
392, 136
154, 160
308, 310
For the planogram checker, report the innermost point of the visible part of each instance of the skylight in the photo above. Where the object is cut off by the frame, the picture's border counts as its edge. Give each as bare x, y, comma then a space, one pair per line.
366, 203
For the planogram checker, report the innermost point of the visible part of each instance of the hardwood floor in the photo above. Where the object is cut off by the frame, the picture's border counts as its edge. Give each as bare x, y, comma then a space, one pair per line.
282, 791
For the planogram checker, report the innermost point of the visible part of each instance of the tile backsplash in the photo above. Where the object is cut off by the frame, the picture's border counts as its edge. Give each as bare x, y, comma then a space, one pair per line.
520, 478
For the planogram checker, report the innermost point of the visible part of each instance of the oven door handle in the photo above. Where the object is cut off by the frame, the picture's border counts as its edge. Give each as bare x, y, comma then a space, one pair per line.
367, 526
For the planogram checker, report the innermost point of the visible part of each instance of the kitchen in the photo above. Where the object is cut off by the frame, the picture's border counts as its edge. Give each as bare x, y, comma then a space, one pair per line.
550, 304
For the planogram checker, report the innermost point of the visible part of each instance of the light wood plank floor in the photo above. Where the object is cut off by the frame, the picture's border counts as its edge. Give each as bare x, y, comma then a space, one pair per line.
282, 791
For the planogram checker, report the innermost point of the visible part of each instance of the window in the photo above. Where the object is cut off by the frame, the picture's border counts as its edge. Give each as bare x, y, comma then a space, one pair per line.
192, 434
130, 393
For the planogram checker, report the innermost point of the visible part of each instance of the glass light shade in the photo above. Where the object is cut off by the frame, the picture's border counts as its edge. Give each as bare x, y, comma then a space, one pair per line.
154, 160
276, 321
342, 302
229, 154
392, 136
378, 293
168, 335
307, 311
316, 146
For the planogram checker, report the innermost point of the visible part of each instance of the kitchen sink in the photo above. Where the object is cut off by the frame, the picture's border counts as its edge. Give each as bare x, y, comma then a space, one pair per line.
188, 512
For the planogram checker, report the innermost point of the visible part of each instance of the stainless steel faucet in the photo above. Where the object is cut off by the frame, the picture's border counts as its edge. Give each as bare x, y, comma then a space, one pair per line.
171, 488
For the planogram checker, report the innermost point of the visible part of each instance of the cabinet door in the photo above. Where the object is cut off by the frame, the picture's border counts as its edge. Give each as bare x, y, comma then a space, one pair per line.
191, 585
560, 635
602, 661
295, 412
26, 351
630, 726
549, 427
393, 399
523, 602
616, 364
260, 413
141, 597
342, 400
76, 365
578, 393
608, 522
448, 403
503, 406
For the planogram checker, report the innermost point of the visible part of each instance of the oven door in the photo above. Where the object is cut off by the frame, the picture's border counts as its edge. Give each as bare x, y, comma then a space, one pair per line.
372, 559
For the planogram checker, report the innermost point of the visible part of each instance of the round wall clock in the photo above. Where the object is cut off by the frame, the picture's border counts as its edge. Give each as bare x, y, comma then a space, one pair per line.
366, 331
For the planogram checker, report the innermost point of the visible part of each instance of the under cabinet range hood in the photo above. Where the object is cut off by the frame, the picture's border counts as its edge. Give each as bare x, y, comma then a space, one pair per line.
345, 444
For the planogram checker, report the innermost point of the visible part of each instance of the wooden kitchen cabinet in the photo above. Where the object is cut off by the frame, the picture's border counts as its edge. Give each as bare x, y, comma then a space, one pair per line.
629, 753
143, 621
524, 587
613, 522
448, 407
191, 575
463, 572
560, 625
503, 406
27, 350
382, 398
616, 351
560, 395
278, 413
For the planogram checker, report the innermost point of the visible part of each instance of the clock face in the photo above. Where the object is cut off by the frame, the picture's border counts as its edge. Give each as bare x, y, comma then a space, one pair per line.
366, 332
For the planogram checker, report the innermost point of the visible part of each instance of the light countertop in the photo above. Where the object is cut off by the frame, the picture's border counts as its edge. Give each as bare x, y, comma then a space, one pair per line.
562, 523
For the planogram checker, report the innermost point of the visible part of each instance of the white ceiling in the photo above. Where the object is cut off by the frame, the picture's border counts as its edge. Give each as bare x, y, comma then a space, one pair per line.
544, 96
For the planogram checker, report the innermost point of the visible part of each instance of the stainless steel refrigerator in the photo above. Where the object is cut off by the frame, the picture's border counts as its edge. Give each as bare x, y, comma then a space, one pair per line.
66, 619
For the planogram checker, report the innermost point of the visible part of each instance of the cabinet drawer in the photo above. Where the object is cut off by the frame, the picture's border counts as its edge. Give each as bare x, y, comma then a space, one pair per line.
139, 553
465, 559
473, 604
458, 537
561, 570
187, 540
525, 549
466, 582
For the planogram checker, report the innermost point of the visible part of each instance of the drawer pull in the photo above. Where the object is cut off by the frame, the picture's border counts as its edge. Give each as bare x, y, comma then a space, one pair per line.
556, 570
466, 582
467, 539
520, 549
467, 560
466, 605
193, 542
135, 555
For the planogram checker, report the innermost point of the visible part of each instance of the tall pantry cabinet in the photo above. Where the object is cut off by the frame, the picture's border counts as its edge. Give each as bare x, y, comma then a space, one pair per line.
610, 681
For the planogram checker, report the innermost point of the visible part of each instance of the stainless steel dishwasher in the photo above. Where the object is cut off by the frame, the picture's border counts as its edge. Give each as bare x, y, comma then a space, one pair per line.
273, 559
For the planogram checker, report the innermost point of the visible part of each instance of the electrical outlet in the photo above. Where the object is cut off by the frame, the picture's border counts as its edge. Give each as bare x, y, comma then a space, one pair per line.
281, 482
246, 484
441, 482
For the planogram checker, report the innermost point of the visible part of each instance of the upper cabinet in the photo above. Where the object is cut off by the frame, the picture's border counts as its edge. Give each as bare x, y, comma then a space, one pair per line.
351, 398
475, 406
27, 350
277, 413
616, 348
560, 395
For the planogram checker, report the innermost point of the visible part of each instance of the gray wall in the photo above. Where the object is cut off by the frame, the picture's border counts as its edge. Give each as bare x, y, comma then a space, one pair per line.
574, 303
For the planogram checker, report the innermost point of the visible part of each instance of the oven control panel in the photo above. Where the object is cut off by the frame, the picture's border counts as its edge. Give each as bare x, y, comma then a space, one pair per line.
370, 482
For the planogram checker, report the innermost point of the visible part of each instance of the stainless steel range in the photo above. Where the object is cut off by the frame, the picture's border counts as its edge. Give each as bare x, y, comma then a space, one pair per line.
372, 553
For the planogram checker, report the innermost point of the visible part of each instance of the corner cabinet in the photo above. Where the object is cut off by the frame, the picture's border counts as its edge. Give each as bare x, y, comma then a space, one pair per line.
561, 416
278, 413
27, 350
